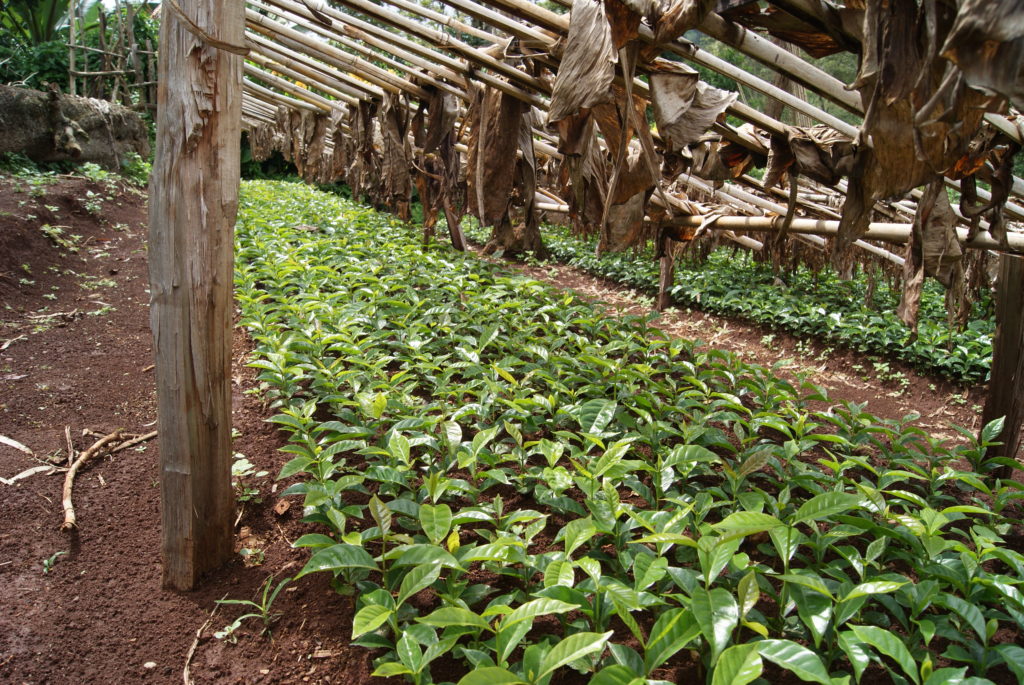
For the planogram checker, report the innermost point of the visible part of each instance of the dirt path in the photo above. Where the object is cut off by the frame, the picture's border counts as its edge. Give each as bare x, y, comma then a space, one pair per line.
87, 607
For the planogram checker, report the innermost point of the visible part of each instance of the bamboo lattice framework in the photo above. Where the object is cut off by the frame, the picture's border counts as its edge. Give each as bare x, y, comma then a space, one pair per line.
324, 58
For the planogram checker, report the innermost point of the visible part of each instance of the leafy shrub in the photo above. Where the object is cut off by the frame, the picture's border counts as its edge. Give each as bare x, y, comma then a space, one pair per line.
818, 305
501, 474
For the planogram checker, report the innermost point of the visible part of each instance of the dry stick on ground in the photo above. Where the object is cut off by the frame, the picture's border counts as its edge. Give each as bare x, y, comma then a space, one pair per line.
69, 479
71, 445
186, 675
133, 441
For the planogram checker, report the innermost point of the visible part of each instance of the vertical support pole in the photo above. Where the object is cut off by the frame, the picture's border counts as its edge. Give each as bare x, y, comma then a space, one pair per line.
1006, 387
192, 210
72, 67
667, 271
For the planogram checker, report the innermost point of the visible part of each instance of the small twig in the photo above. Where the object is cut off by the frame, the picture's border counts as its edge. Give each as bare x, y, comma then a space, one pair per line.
71, 444
54, 315
69, 479
8, 343
11, 442
134, 441
186, 675
45, 468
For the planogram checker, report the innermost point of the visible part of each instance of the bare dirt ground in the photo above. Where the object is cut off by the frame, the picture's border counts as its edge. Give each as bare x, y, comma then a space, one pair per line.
75, 354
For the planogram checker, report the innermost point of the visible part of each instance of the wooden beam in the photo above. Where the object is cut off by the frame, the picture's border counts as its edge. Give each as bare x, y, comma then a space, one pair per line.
192, 210
1006, 386
885, 232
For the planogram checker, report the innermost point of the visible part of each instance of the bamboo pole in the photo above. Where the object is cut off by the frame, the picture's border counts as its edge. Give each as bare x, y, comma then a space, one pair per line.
884, 232
450, 43
270, 64
338, 58
385, 57
445, 20
462, 69
358, 87
287, 86
308, 69
255, 89
355, 30
193, 206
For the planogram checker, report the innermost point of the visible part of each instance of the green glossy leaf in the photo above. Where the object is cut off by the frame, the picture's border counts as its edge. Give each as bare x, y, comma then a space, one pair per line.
454, 616
577, 532
874, 587
992, 430
856, 651
369, 618
595, 415
717, 614
616, 674
673, 630
410, 652
436, 521
338, 558
389, 669
572, 648
559, 573
418, 578
535, 608
747, 593
314, 540
825, 505
672, 538
795, 658
967, 611
743, 523
947, 676
491, 675
1013, 657
891, 646
738, 665
814, 610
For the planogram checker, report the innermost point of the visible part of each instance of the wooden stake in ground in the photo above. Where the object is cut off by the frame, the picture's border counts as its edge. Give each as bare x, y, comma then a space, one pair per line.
192, 209
1006, 389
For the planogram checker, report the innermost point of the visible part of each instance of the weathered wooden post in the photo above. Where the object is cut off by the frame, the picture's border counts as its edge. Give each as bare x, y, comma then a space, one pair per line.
193, 204
1006, 387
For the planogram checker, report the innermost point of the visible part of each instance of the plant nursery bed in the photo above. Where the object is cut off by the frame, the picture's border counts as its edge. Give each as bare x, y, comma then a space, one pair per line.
87, 606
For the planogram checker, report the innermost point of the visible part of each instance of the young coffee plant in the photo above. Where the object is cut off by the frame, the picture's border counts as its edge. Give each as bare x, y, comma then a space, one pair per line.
503, 477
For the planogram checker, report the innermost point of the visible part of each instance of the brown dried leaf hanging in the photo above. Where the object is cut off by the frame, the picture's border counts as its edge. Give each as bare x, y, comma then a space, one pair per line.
987, 43
685, 108
933, 250
587, 70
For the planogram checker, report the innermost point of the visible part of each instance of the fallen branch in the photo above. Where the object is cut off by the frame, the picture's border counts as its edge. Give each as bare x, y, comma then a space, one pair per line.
69, 479
134, 441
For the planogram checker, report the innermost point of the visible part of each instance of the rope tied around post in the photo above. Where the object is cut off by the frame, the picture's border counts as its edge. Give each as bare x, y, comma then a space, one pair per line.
201, 34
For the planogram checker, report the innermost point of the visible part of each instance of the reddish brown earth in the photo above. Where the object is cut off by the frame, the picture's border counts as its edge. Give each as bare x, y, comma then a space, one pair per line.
75, 353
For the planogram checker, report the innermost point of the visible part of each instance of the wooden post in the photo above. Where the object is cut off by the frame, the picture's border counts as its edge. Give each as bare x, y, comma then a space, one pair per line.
192, 210
72, 62
667, 271
1006, 387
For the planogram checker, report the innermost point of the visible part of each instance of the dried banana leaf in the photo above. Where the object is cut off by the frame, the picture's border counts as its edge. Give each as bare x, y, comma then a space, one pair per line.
587, 70
987, 43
